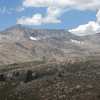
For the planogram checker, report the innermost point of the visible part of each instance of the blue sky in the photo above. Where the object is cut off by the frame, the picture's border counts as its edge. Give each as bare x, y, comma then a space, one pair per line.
13, 10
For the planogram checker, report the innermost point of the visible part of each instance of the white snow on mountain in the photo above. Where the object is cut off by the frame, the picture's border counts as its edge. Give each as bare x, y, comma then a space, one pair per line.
34, 38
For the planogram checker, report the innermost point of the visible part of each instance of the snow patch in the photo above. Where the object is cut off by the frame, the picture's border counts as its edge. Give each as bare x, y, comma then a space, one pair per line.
76, 41
34, 38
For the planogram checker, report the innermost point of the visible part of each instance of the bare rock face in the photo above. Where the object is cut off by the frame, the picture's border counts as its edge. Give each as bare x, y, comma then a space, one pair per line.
20, 44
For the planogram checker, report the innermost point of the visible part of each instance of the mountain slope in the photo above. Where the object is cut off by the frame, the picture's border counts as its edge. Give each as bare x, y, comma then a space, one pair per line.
19, 44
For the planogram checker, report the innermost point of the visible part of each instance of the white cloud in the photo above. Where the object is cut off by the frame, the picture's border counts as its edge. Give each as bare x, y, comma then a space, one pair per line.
37, 3
76, 4
38, 19
53, 11
91, 27
86, 29
98, 16
55, 8
34, 20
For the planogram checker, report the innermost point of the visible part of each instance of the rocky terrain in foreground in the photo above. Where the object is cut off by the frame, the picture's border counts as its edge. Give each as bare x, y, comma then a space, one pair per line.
22, 44
50, 81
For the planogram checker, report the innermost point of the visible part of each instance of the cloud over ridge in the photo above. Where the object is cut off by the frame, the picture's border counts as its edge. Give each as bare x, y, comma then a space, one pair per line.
55, 8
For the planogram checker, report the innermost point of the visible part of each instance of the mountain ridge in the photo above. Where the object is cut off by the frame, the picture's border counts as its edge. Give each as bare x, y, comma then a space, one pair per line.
18, 43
